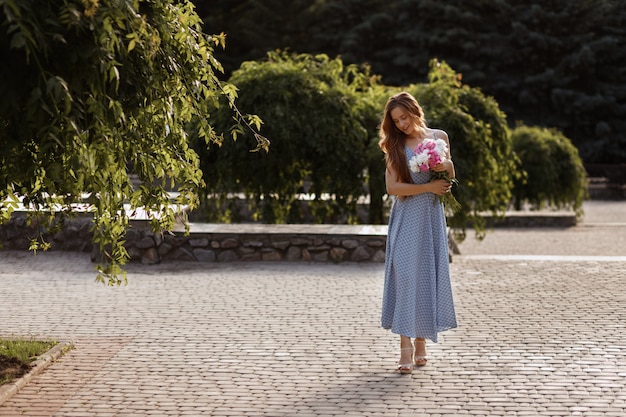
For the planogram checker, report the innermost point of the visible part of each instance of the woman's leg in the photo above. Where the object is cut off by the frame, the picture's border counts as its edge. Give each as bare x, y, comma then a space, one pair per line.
405, 364
420, 352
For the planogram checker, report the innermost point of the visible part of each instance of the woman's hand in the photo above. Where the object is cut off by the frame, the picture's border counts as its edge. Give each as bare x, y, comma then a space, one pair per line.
440, 187
446, 165
442, 166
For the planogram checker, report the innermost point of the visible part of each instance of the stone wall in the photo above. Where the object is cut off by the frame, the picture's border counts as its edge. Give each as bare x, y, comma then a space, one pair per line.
215, 242
228, 247
243, 242
73, 235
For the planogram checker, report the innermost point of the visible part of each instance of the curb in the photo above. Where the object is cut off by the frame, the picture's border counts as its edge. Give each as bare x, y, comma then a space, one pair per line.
526, 219
42, 362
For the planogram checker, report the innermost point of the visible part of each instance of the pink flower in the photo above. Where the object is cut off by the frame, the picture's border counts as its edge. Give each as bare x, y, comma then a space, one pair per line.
428, 154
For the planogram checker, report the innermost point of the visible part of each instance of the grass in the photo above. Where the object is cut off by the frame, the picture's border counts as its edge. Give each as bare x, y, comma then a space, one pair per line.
16, 356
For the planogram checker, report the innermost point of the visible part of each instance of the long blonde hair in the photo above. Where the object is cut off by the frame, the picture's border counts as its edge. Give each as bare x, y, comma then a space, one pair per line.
392, 140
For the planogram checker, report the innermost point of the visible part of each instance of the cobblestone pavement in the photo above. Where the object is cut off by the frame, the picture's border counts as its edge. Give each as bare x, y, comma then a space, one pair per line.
541, 333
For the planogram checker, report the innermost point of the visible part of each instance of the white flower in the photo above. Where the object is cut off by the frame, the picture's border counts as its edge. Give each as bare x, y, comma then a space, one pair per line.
422, 158
441, 147
418, 160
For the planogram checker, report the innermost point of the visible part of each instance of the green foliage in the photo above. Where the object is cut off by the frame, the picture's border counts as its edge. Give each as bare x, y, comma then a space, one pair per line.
20, 353
25, 350
480, 143
318, 145
369, 111
555, 173
94, 92
551, 63
324, 117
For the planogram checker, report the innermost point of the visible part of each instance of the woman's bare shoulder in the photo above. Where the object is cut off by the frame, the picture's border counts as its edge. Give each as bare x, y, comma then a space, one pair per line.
440, 134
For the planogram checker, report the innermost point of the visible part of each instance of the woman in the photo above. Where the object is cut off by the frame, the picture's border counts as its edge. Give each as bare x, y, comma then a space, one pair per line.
417, 298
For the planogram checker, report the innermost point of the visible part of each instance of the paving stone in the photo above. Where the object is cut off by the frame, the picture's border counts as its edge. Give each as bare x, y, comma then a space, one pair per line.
536, 336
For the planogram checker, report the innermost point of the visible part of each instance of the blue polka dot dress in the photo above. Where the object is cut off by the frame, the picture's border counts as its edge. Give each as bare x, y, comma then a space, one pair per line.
417, 297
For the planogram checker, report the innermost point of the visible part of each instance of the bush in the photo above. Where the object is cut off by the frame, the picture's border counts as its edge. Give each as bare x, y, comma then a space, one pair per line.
322, 118
318, 144
323, 121
369, 110
555, 173
480, 143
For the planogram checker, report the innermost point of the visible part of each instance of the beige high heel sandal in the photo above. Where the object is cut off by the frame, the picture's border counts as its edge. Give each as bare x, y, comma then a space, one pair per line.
406, 368
420, 360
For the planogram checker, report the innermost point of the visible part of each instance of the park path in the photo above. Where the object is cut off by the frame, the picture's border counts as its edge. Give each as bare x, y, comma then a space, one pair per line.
541, 333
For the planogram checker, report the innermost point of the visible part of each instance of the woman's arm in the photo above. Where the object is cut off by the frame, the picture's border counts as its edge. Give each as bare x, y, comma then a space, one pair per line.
395, 187
446, 165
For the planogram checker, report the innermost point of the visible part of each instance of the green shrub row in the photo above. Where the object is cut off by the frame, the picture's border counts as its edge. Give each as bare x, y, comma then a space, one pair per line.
322, 118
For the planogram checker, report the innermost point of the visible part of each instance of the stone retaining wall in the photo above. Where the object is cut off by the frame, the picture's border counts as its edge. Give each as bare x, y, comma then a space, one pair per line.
237, 243
216, 243
74, 235
242, 242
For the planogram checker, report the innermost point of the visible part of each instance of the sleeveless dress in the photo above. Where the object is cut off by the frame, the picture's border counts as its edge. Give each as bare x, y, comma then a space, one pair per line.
417, 297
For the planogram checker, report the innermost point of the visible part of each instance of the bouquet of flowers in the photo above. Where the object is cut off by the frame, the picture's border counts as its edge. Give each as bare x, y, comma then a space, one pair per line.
428, 154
